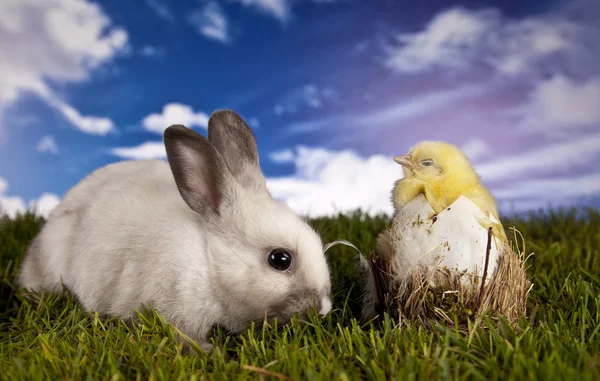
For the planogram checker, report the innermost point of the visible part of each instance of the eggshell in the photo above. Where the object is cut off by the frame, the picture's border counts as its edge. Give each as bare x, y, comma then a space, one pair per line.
454, 238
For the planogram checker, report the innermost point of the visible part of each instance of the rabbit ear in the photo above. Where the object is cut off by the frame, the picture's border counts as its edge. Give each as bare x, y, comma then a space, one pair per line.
234, 140
200, 173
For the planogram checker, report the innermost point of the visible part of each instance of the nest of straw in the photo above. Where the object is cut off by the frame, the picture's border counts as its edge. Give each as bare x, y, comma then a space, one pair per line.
427, 296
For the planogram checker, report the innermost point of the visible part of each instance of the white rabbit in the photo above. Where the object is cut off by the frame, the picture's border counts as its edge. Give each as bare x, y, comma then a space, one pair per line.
199, 238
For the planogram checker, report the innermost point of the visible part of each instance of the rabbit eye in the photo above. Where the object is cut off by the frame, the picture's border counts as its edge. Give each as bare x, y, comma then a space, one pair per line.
280, 259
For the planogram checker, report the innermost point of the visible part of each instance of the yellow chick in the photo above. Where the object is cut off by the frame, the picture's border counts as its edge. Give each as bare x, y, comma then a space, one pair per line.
443, 173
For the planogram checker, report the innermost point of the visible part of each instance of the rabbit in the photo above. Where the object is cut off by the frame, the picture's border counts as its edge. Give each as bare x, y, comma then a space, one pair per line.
197, 237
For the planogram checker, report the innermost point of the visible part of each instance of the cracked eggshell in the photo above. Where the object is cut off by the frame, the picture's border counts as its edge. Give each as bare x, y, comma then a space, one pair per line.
454, 238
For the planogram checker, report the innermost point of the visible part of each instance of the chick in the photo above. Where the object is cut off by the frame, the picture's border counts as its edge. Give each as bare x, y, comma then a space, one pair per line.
443, 173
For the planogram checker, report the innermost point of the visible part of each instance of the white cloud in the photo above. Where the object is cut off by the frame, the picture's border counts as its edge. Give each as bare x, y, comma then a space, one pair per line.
45, 204
13, 205
89, 124
174, 113
395, 112
475, 149
148, 50
280, 9
254, 123
327, 182
282, 157
562, 104
70, 39
519, 45
424, 104
457, 38
211, 22
443, 42
147, 150
306, 96
553, 189
152, 51
161, 10
562, 42
569, 191
578, 152
47, 145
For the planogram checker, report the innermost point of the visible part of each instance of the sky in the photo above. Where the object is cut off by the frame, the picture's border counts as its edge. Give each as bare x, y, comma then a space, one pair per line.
333, 90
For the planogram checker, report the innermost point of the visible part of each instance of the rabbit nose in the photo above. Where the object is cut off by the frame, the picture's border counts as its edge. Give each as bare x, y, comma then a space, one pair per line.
324, 306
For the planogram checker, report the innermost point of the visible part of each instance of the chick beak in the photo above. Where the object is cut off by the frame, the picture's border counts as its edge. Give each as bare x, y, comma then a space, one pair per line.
405, 161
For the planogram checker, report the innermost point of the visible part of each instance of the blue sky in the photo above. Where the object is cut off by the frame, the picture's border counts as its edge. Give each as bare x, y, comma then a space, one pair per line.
332, 88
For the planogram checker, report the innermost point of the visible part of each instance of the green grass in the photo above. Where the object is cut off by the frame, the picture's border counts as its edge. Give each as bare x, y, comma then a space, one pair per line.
559, 338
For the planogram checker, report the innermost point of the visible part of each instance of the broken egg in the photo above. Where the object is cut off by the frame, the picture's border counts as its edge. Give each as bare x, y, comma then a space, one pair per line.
454, 238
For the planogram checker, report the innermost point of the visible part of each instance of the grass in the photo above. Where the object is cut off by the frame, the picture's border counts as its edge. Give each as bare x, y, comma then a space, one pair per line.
558, 339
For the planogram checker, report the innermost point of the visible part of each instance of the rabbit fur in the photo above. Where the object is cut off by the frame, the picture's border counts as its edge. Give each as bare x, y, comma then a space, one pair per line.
189, 237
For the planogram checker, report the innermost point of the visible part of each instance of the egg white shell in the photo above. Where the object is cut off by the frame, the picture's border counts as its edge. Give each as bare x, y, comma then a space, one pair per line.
456, 239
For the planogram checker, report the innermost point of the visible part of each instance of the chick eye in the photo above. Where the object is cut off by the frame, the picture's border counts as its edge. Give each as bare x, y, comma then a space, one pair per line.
427, 162
280, 259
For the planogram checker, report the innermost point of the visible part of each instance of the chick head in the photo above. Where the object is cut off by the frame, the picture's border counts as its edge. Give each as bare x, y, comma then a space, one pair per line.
436, 161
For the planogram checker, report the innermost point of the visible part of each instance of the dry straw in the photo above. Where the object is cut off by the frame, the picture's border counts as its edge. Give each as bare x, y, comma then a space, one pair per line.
431, 295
